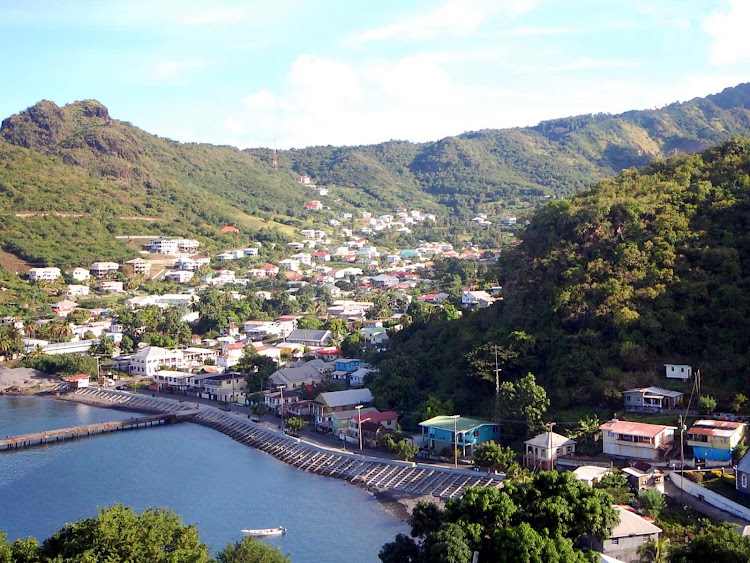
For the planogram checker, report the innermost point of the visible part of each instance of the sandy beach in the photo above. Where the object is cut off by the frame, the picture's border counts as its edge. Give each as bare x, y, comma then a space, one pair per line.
25, 380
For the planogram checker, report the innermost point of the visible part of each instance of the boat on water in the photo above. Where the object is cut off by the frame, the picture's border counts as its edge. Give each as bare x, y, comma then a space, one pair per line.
266, 532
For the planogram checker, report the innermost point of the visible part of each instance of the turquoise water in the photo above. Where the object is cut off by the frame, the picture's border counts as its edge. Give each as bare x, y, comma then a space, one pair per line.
207, 478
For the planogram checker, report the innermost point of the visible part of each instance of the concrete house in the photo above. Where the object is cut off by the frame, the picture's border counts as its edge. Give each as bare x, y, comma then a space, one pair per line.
541, 452
44, 274
651, 399
678, 371
79, 274
715, 439
139, 266
227, 387
64, 308
636, 440
627, 536
308, 373
438, 433
149, 360
163, 245
338, 401
473, 299
310, 337
101, 269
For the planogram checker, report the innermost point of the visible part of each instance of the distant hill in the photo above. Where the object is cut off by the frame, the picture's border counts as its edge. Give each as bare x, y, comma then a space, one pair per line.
557, 157
72, 178
648, 268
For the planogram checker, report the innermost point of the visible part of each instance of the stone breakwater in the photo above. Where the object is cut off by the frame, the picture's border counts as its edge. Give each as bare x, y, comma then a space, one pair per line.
374, 474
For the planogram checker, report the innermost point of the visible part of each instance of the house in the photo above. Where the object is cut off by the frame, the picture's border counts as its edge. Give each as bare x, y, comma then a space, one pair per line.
101, 269
270, 269
375, 425
636, 440
651, 400
79, 274
628, 535
715, 439
64, 308
541, 452
259, 330
314, 205
167, 380
226, 387
310, 337
304, 179
187, 245
743, 475
384, 281
348, 365
229, 229
438, 433
179, 276
78, 290
642, 475
357, 377
678, 371
163, 245
110, 286
140, 266
79, 381
287, 324
509, 220
272, 400
338, 401
193, 357
150, 359
328, 354
298, 376
44, 274
337, 423
474, 299
590, 475
289, 264
184, 300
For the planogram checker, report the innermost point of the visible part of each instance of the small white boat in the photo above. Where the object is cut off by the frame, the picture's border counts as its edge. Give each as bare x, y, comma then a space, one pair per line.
266, 532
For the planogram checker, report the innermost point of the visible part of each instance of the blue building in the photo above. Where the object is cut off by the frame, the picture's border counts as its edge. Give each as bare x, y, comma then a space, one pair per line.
438, 433
348, 365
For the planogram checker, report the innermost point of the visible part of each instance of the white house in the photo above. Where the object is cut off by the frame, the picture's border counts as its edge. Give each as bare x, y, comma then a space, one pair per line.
110, 286
678, 371
289, 264
287, 324
636, 440
477, 299
79, 274
541, 452
149, 360
44, 274
78, 290
101, 269
187, 245
163, 245
180, 276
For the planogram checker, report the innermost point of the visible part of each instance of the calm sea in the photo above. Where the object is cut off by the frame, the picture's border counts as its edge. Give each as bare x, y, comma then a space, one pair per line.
207, 478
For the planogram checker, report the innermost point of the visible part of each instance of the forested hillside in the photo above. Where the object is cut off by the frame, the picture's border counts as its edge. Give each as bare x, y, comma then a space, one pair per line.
95, 177
555, 158
650, 267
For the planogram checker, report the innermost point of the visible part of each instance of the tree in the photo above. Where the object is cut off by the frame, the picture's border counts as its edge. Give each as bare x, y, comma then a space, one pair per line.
524, 400
707, 404
338, 327
492, 455
119, 535
251, 550
295, 425
310, 323
588, 428
351, 347
652, 502
654, 551
738, 402
25, 550
401, 550
717, 543
104, 347
401, 449
616, 484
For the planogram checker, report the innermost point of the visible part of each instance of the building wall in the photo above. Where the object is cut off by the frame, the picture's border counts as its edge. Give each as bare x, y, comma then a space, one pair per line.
631, 450
626, 549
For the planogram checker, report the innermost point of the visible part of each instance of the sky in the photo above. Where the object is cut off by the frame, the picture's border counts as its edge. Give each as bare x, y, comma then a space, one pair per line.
295, 73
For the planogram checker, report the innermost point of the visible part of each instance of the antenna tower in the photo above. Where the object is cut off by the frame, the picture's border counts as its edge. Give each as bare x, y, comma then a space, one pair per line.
274, 157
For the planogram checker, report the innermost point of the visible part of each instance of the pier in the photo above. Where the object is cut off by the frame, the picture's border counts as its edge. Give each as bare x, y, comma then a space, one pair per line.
375, 474
60, 435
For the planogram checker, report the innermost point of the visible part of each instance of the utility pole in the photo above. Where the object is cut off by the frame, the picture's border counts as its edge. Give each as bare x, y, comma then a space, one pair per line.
497, 388
455, 440
281, 388
682, 458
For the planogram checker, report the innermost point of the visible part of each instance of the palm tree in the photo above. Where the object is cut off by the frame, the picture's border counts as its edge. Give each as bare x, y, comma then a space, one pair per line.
588, 428
654, 551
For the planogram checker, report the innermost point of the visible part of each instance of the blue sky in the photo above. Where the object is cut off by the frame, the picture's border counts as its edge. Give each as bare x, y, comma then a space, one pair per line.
299, 72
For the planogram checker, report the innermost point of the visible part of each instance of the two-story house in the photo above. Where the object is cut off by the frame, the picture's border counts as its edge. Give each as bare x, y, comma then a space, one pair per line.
715, 439
541, 452
297, 377
375, 425
743, 475
227, 387
465, 433
149, 360
338, 401
636, 440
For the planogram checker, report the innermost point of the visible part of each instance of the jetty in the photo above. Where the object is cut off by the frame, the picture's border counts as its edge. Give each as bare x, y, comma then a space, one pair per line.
372, 473
62, 434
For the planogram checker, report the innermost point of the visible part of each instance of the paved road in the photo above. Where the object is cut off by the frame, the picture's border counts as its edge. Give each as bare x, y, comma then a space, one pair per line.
674, 492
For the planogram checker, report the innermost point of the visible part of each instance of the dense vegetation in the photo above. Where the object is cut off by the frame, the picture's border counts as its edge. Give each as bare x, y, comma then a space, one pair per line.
647, 268
119, 535
496, 168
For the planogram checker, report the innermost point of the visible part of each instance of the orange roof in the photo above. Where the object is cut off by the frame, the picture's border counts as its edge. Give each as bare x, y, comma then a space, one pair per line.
230, 229
78, 377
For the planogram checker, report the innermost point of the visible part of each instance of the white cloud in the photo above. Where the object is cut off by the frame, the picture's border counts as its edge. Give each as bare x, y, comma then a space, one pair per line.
728, 30
586, 63
454, 18
173, 71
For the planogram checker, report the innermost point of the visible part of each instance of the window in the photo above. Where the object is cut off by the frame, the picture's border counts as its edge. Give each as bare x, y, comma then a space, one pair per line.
744, 480
615, 541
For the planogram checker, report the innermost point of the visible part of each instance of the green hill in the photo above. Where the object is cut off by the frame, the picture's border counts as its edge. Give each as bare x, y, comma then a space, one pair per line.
648, 268
555, 158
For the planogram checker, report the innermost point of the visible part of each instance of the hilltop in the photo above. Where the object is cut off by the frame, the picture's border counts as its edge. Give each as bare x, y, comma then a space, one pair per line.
73, 178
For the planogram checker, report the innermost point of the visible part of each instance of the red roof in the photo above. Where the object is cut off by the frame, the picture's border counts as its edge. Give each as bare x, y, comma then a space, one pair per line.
235, 346
230, 229
77, 377
634, 428
378, 416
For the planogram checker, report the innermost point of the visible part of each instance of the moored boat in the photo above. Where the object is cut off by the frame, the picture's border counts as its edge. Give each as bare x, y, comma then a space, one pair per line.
266, 532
